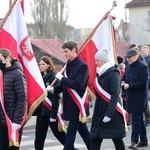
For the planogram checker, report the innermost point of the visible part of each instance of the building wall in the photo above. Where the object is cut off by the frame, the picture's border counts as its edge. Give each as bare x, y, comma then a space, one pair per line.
138, 20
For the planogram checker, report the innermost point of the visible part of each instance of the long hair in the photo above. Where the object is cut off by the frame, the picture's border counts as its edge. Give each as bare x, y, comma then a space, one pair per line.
48, 61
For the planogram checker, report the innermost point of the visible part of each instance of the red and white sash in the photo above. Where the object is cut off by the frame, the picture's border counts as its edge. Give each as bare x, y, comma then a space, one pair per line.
12, 135
61, 125
106, 96
82, 103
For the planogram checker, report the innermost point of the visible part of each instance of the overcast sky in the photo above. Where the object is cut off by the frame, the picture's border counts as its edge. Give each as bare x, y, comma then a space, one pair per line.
83, 13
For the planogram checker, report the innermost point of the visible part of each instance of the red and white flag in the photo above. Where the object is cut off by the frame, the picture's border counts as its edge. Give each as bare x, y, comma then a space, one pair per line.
103, 37
14, 36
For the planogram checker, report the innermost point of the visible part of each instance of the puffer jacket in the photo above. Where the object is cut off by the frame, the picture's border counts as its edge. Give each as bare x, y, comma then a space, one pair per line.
15, 94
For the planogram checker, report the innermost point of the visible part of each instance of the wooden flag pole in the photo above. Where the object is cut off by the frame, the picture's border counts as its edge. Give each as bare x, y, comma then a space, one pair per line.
7, 14
88, 38
96, 27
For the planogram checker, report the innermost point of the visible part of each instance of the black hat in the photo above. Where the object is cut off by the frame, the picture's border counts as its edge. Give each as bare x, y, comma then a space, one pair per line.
132, 46
131, 52
119, 59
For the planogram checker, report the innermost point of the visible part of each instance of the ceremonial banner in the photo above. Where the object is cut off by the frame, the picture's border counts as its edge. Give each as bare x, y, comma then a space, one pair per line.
103, 37
14, 37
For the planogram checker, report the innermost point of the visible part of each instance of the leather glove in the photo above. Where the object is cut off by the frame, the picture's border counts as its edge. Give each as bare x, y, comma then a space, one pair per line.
52, 120
50, 89
15, 126
59, 76
106, 119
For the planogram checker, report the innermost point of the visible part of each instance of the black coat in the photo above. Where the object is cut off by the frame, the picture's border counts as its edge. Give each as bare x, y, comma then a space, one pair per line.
15, 94
54, 98
136, 75
78, 74
115, 128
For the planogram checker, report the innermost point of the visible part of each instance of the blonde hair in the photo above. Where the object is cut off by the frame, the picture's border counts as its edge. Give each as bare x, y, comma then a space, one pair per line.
145, 46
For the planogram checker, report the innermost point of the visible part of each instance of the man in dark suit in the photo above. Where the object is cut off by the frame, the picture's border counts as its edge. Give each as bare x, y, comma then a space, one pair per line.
135, 82
75, 103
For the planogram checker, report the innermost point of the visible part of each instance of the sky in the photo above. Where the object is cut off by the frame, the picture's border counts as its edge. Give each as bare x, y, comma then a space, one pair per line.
83, 13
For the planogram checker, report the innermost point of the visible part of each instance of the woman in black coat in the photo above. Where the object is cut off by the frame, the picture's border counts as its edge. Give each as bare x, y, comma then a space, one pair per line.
107, 122
15, 100
46, 117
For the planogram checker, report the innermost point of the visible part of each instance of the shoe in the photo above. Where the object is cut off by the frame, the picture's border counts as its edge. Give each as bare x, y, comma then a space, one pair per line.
142, 144
133, 146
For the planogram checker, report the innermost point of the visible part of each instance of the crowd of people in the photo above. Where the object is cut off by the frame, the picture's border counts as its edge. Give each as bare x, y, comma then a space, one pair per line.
120, 89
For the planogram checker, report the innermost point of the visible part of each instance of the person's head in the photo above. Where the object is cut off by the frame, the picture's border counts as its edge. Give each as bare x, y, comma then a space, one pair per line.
102, 56
70, 50
46, 64
132, 46
5, 58
119, 59
131, 55
145, 50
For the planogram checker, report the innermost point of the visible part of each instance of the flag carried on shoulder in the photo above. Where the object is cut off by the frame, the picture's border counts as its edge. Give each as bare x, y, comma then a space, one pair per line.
104, 36
14, 37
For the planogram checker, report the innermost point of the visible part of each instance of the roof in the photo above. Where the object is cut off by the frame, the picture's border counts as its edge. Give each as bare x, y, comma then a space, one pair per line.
138, 3
51, 46
122, 48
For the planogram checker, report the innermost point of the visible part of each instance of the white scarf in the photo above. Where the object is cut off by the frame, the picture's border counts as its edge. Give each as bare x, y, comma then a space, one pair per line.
104, 68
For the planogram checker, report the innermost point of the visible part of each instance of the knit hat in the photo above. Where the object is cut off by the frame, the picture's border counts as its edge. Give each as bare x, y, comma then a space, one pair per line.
103, 55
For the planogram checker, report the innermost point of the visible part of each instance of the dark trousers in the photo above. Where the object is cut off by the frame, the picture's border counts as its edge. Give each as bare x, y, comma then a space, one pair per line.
72, 129
96, 144
138, 128
42, 124
147, 115
4, 142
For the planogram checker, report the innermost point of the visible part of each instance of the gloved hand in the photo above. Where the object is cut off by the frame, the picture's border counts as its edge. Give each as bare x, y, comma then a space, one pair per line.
59, 76
52, 120
106, 119
15, 126
50, 89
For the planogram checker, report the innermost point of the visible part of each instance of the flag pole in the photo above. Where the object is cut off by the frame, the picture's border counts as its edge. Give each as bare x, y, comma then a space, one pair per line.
7, 14
96, 27
88, 38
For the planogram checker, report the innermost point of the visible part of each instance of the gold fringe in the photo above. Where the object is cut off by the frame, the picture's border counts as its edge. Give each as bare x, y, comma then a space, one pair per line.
126, 129
62, 129
91, 93
12, 143
83, 119
36, 104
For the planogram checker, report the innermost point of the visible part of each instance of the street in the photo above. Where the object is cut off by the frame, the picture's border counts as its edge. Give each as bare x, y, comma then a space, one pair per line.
51, 142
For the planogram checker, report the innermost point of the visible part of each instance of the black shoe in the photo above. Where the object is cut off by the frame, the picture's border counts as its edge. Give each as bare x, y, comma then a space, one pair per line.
133, 146
142, 144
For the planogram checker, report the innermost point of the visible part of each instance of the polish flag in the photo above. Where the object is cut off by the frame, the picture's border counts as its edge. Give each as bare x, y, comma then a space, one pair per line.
104, 36
14, 37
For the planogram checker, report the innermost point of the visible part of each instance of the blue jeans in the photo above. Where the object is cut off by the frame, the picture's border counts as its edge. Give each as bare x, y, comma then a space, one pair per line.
72, 129
138, 128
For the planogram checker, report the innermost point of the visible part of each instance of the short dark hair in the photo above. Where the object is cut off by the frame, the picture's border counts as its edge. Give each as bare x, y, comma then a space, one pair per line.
132, 46
70, 45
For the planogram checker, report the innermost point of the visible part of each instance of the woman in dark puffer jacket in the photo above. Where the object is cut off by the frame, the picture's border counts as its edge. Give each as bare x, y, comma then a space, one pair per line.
15, 98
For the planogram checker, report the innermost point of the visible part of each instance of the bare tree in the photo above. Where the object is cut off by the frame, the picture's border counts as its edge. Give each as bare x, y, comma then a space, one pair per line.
50, 17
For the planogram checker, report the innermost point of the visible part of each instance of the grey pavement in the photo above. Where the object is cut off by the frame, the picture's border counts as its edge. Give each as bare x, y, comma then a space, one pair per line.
52, 143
